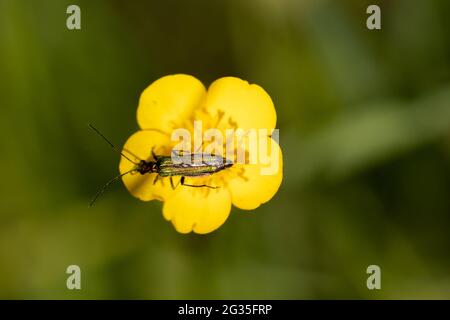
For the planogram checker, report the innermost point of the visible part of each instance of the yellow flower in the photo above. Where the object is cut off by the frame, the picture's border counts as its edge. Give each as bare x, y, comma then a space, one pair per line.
175, 101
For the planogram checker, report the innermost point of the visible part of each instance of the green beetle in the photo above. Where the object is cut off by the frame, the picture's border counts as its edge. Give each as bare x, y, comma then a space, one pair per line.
186, 165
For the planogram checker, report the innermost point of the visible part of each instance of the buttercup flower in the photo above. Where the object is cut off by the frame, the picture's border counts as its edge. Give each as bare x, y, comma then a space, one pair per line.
176, 101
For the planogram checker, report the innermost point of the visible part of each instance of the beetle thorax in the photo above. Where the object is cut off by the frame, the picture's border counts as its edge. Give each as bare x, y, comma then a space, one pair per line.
146, 167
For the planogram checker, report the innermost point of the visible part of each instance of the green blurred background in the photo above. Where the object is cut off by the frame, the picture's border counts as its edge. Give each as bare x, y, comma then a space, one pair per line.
364, 119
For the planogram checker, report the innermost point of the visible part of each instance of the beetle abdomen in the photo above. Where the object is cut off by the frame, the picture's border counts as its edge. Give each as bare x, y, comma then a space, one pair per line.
209, 165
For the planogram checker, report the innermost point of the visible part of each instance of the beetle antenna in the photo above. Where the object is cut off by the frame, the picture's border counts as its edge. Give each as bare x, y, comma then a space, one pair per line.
106, 185
110, 144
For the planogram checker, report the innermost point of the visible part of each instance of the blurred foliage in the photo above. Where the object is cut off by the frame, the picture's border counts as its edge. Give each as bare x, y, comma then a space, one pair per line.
364, 120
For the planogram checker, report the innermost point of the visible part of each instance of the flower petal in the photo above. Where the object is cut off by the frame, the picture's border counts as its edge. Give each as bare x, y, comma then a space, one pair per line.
139, 147
168, 101
197, 209
256, 187
248, 105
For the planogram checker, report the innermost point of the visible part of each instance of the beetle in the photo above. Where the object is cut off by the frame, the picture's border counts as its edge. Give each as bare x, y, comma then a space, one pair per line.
164, 166
186, 165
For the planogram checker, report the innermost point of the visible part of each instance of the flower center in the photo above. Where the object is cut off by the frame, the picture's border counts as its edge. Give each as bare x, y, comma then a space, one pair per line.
219, 122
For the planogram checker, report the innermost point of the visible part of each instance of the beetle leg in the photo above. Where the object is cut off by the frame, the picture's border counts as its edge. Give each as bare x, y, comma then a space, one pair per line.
195, 185
156, 179
174, 186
